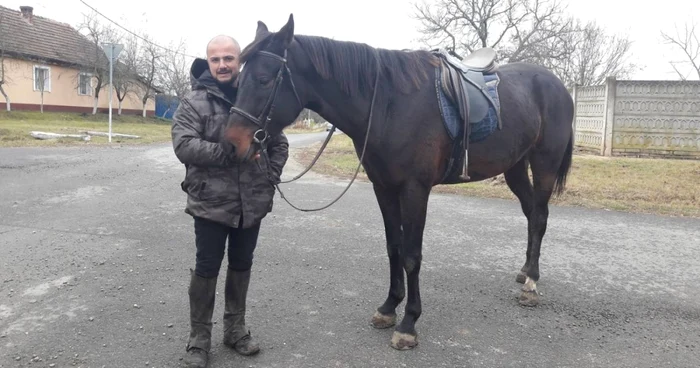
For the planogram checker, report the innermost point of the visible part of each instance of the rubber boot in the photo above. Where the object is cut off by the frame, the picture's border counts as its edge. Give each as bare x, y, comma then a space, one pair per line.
202, 293
236, 334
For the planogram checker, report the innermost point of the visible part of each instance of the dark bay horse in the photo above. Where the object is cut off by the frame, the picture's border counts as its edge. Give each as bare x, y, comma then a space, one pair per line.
386, 101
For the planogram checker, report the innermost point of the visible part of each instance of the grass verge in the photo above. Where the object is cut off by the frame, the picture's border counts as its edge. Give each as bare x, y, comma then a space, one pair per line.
655, 186
15, 127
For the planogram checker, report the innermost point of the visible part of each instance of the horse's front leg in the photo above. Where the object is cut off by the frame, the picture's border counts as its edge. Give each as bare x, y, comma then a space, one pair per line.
388, 200
414, 205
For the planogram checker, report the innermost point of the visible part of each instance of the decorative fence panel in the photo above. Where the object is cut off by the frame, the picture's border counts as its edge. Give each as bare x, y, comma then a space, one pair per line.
639, 118
590, 116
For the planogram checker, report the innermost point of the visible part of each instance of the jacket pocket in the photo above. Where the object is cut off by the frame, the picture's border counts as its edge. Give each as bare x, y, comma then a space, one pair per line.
195, 179
218, 186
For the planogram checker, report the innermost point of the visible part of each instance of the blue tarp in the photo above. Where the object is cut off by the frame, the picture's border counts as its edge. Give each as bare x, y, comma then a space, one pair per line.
166, 106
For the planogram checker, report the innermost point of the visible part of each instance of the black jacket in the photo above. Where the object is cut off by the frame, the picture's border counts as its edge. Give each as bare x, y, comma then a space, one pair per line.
217, 187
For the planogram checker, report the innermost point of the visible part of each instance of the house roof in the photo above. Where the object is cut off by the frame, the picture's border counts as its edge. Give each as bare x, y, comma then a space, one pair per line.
45, 39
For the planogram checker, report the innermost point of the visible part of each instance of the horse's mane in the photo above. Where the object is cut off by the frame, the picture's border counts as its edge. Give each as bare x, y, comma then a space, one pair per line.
353, 65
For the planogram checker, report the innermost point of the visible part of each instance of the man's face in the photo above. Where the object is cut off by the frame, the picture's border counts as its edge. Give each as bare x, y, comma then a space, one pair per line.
223, 60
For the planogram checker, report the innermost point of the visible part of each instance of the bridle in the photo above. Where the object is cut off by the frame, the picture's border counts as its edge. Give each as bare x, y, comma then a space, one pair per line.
261, 135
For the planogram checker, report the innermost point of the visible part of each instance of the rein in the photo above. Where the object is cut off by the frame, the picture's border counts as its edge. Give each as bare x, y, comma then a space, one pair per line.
313, 162
261, 135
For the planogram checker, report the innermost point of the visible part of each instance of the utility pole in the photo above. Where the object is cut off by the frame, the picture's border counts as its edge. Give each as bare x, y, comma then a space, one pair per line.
112, 51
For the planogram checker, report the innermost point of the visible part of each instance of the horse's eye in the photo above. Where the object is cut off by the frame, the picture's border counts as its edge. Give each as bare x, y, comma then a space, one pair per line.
264, 80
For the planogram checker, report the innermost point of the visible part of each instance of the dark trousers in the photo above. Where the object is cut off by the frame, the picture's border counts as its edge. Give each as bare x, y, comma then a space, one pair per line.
210, 238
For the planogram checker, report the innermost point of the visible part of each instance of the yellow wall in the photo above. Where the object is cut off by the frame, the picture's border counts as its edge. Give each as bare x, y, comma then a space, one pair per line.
63, 91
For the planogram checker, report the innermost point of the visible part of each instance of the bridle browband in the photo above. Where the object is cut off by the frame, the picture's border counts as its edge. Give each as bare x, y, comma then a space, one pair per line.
266, 113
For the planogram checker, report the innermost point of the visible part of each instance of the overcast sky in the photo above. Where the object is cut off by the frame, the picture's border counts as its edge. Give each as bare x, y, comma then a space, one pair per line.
380, 23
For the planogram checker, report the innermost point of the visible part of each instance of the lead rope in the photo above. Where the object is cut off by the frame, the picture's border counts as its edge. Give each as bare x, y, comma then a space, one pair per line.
369, 125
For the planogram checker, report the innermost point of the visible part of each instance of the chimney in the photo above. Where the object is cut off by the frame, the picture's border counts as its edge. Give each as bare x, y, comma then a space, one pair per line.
27, 13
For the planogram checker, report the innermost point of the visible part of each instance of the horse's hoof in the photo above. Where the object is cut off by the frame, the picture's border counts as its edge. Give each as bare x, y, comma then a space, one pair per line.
529, 299
520, 279
403, 341
382, 321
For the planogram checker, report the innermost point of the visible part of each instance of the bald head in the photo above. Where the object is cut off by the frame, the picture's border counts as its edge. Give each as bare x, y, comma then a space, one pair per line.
222, 55
223, 40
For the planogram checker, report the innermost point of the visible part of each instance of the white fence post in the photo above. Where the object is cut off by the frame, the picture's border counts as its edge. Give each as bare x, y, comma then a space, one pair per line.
609, 119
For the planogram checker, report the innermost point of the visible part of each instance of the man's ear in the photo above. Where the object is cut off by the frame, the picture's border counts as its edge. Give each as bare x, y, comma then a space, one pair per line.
261, 31
286, 33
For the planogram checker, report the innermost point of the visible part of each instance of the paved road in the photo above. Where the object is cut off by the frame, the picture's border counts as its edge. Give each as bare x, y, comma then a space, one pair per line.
96, 250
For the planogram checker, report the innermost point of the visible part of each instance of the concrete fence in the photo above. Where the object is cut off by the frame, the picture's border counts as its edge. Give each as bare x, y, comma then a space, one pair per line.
639, 118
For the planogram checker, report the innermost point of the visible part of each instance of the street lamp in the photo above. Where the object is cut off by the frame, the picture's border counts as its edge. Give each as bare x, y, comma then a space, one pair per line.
112, 51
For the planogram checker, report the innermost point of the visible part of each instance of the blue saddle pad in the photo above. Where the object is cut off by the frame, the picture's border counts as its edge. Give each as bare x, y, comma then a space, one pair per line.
478, 130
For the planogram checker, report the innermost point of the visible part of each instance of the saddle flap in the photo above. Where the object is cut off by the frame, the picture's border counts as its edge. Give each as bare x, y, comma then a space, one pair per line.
461, 88
478, 103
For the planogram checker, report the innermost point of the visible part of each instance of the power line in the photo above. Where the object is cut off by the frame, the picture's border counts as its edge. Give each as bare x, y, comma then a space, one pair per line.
134, 34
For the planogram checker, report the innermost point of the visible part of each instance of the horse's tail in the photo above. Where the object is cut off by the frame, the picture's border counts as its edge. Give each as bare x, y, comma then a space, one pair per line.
565, 166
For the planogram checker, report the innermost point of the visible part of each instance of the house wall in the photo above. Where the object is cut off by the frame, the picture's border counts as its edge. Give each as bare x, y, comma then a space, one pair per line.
63, 92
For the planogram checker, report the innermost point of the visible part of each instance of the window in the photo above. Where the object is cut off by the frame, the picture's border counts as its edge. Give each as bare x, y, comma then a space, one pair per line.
85, 84
42, 78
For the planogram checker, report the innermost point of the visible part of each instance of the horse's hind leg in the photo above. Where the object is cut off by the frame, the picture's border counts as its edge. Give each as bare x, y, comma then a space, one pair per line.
388, 200
519, 183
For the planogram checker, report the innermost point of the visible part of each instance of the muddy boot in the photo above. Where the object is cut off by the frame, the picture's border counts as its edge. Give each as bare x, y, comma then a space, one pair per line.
202, 294
236, 335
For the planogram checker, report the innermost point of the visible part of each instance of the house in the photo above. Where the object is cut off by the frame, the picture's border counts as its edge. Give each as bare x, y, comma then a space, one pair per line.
49, 63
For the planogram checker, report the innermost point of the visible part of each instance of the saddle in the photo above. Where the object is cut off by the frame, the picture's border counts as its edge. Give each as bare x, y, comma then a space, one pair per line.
463, 82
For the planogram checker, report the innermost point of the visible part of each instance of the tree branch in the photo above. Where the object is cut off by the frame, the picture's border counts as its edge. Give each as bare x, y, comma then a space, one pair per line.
688, 44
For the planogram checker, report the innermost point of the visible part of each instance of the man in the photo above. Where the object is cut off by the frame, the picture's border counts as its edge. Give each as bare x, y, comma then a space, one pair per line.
226, 199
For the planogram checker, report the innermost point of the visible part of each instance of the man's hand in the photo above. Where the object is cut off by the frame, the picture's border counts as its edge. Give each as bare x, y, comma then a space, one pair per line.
188, 143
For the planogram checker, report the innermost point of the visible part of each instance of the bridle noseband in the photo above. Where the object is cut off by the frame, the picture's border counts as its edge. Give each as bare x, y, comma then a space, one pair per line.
260, 136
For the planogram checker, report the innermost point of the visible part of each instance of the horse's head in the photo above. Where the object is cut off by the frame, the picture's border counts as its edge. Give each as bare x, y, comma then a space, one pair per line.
267, 99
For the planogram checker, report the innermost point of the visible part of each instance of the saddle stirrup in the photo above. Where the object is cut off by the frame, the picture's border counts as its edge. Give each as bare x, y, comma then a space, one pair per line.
465, 172
465, 167
465, 139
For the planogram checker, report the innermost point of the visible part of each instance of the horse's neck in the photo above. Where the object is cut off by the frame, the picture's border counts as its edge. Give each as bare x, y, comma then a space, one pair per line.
349, 114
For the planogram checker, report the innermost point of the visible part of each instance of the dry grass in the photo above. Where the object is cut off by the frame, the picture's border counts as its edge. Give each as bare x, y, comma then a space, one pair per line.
657, 186
15, 127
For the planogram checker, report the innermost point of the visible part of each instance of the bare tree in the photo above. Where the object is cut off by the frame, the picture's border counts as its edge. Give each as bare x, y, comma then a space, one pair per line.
688, 42
125, 74
535, 31
595, 56
3, 67
95, 60
149, 58
42, 79
520, 30
176, 71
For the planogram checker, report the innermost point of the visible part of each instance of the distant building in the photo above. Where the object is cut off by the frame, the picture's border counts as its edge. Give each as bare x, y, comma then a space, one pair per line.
40, 53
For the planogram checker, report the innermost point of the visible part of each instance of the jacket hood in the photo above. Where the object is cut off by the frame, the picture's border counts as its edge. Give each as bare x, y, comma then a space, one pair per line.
200, 77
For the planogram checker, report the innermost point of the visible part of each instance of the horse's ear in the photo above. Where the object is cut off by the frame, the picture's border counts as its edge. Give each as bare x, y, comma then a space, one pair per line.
286, 33
261, 31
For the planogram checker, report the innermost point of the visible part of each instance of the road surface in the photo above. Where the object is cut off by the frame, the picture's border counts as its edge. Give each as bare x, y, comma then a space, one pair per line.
96, 251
